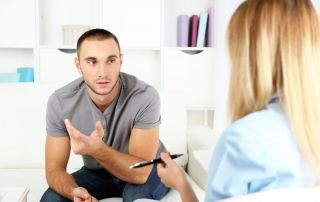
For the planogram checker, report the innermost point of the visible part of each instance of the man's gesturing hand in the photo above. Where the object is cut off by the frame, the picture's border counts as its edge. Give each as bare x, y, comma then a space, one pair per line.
82, 144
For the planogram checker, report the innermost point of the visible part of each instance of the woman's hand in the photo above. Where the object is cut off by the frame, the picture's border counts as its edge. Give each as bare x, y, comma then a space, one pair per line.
171, 174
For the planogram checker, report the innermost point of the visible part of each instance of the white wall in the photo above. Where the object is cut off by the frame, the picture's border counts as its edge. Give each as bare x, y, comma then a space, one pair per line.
223, 12
316, 4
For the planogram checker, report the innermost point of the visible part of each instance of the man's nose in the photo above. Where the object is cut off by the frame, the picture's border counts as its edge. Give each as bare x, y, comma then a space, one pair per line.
103, 70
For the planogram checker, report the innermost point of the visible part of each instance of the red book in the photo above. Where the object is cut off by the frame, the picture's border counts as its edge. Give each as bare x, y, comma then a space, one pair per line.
193, 31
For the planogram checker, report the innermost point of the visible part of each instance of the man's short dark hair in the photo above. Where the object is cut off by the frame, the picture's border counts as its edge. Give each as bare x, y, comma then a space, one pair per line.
96, 34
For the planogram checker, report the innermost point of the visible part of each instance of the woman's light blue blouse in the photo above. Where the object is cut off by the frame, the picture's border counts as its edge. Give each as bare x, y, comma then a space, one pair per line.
257, 153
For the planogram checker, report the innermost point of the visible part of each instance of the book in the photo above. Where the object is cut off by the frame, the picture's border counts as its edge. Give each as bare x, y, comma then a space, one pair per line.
193, 31
183, 30
202, 29
26, 74
210, 28
9, 77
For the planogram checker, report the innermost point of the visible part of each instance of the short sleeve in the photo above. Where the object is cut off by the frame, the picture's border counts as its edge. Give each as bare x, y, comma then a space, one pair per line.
54, 121
148, 115
238, 167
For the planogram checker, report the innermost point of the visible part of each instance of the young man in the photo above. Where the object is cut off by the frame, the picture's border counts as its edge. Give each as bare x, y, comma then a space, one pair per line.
111, 119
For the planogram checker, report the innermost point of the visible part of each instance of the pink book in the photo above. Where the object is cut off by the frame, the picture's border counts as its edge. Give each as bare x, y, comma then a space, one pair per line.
193, 30
210, 31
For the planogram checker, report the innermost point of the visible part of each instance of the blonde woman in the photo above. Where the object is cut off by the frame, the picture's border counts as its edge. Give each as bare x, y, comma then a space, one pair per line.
274, 139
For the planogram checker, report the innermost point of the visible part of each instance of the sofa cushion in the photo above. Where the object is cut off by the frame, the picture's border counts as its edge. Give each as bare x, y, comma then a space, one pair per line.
34, 179
22, 123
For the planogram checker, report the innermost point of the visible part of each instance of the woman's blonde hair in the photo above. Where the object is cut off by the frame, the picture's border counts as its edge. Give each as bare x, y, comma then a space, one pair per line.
274, 47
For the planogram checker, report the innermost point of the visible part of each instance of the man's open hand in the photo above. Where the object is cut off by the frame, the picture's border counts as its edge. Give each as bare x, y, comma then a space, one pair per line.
82, 144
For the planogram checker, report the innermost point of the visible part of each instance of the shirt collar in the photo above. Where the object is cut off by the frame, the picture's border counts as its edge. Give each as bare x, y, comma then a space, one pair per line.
274, 99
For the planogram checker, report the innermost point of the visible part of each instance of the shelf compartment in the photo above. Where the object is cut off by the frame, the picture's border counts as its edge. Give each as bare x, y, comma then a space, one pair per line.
56, 65
17, 19
191, 74
200, 116
175, 8
54, 14
137, 24
12, 58
143, 64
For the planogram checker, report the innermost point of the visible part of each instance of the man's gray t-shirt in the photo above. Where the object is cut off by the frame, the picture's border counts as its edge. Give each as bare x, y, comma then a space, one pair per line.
136, 106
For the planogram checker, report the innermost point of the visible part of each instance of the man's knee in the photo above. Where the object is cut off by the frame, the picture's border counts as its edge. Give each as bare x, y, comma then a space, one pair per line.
50, 195
133, 192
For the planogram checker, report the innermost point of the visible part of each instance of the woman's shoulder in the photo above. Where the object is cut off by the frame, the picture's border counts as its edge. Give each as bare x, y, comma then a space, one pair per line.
263, 133
269, 122
254, 154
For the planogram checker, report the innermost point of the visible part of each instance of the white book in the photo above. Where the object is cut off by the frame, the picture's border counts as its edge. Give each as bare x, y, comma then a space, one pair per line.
202, 29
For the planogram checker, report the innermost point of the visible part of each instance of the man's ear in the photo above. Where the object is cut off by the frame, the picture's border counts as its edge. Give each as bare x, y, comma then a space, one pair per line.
77, 63
121, 58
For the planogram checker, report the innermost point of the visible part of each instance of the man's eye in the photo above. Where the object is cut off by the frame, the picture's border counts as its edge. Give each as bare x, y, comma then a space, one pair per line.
112, 61
92, 62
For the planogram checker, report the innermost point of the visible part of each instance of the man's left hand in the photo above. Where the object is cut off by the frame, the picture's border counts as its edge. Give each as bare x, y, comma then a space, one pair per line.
80, 194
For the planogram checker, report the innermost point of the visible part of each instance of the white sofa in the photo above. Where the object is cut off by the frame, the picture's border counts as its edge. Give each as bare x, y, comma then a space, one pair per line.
22, 124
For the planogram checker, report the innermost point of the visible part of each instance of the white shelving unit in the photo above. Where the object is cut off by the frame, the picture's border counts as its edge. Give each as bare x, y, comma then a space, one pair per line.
147, 31
173, 8
189, 70
54, 14
137, 24
18, 34
191, 74
11, 58
17, 20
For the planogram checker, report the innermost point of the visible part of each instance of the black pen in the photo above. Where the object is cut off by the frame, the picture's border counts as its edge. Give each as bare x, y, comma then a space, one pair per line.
153, 161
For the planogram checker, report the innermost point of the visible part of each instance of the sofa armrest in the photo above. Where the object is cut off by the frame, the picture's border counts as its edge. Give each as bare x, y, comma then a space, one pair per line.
198, 166
200, 138
201, 141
